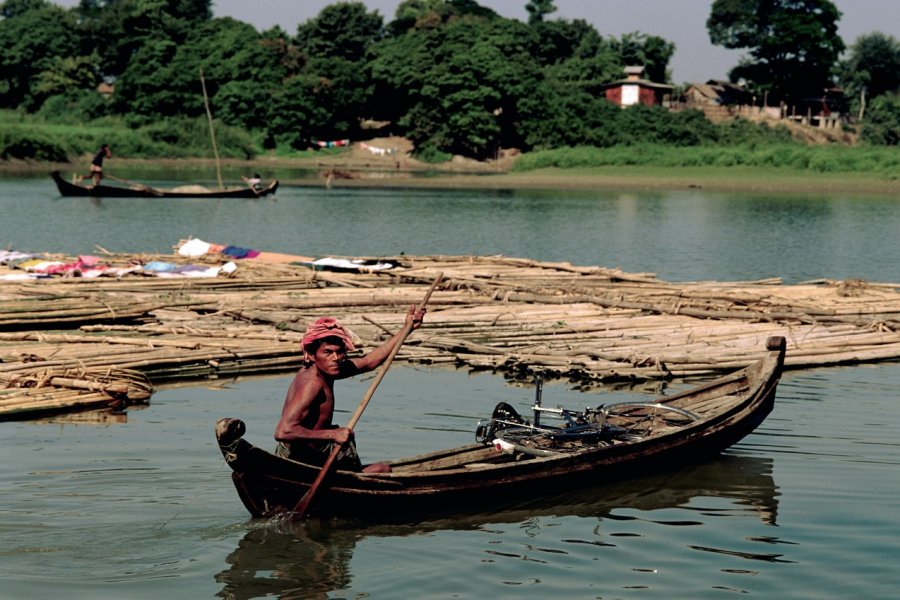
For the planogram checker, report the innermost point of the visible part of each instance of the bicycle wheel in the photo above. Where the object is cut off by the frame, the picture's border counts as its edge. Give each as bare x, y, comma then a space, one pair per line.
645, 416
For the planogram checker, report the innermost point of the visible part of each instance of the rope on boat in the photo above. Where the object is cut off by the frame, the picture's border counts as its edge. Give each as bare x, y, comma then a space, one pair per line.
229, 451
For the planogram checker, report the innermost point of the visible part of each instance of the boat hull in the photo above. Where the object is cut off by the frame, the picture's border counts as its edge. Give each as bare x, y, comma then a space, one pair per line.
70, 189
478, 475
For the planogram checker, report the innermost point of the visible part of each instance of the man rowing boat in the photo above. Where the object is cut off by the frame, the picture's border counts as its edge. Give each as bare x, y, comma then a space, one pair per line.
306, 432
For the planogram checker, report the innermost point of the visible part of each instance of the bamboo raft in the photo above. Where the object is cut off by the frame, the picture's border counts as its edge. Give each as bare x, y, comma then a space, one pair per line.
70, 344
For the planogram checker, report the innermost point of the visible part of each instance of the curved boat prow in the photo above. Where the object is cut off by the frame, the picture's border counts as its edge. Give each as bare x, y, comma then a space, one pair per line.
228, 431
776, 342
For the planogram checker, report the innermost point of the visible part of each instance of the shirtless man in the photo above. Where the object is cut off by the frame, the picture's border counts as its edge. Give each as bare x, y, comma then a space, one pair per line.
305, 431
254, 183
97, 165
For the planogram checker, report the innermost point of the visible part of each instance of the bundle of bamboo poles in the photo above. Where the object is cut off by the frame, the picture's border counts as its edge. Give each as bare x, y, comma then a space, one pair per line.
590, 325
48, 389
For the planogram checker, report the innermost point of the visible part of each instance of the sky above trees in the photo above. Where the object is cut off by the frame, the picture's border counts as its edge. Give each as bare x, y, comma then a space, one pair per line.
682, 22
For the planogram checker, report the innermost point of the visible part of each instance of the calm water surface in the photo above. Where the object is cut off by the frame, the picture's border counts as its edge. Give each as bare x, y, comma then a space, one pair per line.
680, 236
141, 506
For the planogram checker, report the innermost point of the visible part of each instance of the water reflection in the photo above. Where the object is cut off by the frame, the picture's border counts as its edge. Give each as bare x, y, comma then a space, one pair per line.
310, 559
745, 480
307, 561
89, 417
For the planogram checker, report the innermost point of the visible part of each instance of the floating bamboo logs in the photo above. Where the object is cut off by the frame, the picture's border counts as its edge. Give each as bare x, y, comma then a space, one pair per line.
512, 316
53, 390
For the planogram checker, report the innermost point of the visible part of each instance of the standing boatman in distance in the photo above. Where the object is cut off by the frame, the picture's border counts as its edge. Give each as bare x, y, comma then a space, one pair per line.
97, 165
306, 432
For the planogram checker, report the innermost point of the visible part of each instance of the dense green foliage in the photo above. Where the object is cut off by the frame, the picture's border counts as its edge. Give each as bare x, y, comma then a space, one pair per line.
873, 66
37, 46
451, 75
794, 44
871, 76
882, 126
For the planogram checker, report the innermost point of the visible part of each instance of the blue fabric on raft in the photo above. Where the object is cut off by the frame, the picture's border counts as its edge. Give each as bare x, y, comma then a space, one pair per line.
238, 252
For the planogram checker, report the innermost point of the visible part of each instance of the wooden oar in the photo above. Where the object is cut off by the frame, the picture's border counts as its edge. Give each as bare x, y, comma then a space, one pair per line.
303, 505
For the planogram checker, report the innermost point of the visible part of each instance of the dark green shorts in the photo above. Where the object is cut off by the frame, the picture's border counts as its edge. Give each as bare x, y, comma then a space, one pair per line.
346, 460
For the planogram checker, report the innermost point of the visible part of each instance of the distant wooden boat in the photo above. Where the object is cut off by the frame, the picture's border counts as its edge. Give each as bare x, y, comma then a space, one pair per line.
519, 459
104, 190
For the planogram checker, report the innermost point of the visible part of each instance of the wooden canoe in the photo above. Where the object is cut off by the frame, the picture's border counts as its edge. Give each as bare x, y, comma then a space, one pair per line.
724, 410
67, 188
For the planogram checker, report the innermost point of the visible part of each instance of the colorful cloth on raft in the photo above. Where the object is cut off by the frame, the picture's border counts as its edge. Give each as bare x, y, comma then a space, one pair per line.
167, 269
196, 247
85, 266
238, 252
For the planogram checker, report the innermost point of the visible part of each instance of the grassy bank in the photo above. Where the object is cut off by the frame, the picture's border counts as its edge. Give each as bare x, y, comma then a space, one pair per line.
881, 160
723, 179
33, 146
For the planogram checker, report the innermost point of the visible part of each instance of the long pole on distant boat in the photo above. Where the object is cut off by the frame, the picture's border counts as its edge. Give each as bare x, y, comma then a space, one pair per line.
212, 133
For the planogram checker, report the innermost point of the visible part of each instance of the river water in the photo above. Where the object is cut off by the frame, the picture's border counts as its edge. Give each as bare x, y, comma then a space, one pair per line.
142, 506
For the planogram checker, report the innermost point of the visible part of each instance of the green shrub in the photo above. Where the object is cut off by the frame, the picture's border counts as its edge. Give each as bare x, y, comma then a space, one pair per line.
31, 137
190, 137
826, 162
432, 155
76, 108
24, 144
882, 123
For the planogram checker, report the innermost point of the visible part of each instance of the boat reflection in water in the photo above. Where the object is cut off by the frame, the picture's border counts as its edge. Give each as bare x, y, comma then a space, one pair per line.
311, 558
308, 561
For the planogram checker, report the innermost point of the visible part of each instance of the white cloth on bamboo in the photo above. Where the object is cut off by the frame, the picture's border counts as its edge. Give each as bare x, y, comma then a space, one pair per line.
11, 255
356, 264
194, 247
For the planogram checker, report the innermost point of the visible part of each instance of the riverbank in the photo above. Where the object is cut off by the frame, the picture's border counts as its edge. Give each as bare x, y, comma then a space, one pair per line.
353, 170
715, 179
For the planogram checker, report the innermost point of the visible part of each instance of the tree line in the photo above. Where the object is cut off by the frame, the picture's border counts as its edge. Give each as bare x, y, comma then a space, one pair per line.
451, 75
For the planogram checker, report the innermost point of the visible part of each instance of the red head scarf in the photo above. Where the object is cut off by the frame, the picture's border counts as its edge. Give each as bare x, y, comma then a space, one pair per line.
327, 327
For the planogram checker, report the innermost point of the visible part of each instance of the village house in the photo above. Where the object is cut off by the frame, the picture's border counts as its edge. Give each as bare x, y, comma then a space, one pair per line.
719, 100
722, 100
634, 89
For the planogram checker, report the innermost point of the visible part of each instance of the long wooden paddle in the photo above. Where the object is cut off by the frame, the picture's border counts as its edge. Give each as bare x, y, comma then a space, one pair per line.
303, 505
